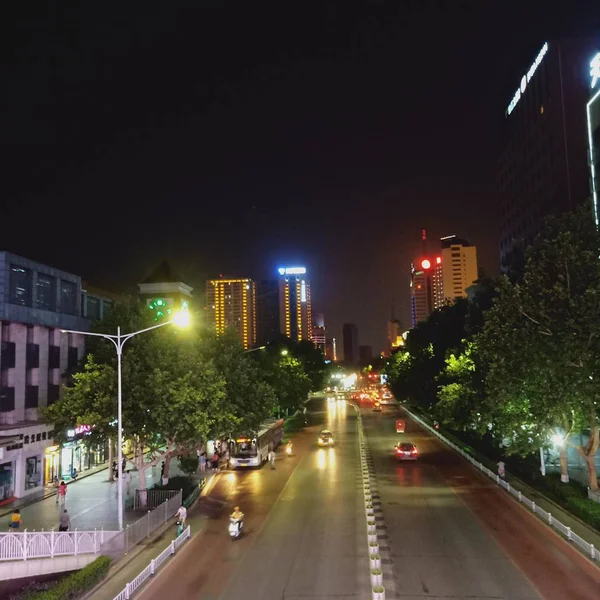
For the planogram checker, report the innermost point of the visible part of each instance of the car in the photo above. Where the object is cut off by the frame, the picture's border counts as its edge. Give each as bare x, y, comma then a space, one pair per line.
377, 407
400, 425
406, 451
325, 438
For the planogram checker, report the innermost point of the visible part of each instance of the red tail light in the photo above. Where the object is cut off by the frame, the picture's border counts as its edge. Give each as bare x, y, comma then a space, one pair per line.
413, 451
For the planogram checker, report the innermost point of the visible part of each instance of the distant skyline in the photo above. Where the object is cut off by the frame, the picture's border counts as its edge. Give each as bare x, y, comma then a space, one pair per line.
238, 138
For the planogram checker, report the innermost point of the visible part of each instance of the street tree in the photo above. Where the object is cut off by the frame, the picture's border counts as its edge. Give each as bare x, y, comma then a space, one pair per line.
542, 343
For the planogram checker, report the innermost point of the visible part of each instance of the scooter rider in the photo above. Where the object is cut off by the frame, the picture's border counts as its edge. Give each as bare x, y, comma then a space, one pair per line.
236, 518
289, 448
237, 514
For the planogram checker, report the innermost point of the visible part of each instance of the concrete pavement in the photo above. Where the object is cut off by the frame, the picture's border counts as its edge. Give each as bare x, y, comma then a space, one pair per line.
305, 535
91, 502
453, 534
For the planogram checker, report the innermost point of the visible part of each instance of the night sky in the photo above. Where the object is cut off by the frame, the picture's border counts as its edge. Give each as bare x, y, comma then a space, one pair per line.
236, 137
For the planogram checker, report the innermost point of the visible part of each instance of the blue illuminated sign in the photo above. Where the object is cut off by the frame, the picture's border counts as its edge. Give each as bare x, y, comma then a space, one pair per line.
292, 270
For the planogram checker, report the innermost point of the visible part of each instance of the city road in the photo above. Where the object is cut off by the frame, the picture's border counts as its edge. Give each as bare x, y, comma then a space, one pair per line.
305, 533
454, 534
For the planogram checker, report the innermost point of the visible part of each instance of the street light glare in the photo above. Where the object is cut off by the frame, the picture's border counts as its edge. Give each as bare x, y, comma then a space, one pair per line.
558, 439
182, 318
284, 353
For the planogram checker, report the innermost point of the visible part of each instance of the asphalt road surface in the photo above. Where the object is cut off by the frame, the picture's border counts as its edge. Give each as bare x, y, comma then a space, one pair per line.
305, 533
453, 534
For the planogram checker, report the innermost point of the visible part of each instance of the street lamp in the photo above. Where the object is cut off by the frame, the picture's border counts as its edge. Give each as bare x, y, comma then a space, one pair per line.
284, 353
181, 319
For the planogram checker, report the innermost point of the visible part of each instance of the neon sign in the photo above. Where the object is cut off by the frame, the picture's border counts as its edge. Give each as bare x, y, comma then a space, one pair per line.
595, 70
79, 430
303, 291
292, 270
527, 78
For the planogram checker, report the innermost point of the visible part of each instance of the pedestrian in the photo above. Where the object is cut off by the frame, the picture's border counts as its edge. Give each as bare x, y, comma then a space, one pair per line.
62, 492
215, 461
115, 470
182, 514
74, 474
65, 521
202, 462
272, 459
501, 471
56, 484
162, 470
127, 480
15, 519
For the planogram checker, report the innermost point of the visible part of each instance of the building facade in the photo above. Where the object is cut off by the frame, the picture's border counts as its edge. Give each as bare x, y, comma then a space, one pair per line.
543, 169
350, 338
36, 303
164, 292
331, 350
593, 129
295, 305
231, 303
267, 311
458, 270
394, 335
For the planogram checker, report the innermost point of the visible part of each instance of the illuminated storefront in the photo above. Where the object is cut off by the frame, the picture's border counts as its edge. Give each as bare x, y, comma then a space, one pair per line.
51, 464
78, 453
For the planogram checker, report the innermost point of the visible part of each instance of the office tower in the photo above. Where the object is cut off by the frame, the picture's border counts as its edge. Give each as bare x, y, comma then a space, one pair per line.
543, 169
267, 311
593, 127
164, 292
394, 335
365, 354
36, 303
330, 350
319, 337
231, 304
295, 307
350, 336
425, 282
458, 270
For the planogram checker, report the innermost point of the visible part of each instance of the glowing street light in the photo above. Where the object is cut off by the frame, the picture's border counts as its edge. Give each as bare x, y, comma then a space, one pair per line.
284, 353
558, 439
181, 319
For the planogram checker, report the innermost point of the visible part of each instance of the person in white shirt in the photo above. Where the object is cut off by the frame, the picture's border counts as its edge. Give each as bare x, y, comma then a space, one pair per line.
182, 514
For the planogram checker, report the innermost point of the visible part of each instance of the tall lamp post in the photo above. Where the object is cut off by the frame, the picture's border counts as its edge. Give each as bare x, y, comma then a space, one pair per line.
180, 319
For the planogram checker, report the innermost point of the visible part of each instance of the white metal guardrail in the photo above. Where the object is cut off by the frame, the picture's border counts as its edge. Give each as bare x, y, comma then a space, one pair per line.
547, 517
23, 545
121, 543
155, 563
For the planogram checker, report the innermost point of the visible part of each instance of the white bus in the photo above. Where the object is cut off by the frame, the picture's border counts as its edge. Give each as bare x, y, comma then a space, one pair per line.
252, 450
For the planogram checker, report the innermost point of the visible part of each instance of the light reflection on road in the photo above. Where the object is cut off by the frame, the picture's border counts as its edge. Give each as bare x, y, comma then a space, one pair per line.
325, 459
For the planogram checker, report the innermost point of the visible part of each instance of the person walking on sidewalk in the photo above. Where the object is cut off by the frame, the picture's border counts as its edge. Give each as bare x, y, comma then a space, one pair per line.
203, 463
15, 520
65, 521
501, 470
272, 459
62, 493
182, 514
56, 485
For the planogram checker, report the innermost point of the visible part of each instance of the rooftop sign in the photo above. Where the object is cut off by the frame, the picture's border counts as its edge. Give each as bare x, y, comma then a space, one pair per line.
292, 270
527, 78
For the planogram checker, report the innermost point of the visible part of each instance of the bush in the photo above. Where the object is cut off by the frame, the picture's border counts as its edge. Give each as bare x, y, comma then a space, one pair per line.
73, 585
189, 464
179, 483
586, 510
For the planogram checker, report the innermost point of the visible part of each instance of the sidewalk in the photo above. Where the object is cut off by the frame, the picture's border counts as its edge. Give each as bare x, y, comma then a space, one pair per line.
91, 502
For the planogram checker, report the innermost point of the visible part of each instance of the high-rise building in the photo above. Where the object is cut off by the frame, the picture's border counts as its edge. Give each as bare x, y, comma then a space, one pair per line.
231, 303
319, 337
365, 354
350, 335
267, 311
330, 350
458, 270
543, 169
593, 127
425, 282
295, 306
394, 335
36, 303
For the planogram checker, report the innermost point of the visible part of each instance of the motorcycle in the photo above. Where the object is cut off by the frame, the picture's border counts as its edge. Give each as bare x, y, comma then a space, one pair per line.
288, 449
235, 527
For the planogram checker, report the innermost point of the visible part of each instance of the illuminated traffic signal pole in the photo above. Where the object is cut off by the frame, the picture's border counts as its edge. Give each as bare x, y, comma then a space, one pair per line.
181, 319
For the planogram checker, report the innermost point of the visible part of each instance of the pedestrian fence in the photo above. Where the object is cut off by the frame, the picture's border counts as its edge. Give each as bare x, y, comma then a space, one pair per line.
23, 545
133, 534
547, 517
154, 565
150, 499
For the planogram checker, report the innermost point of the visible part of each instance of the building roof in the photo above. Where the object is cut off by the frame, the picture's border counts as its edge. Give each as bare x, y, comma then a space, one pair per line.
164, 273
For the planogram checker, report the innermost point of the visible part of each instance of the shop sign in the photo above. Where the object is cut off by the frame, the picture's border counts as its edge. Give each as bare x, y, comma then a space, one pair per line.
79, 430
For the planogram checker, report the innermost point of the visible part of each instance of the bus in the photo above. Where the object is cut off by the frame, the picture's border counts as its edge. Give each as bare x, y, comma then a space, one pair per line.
252, 450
